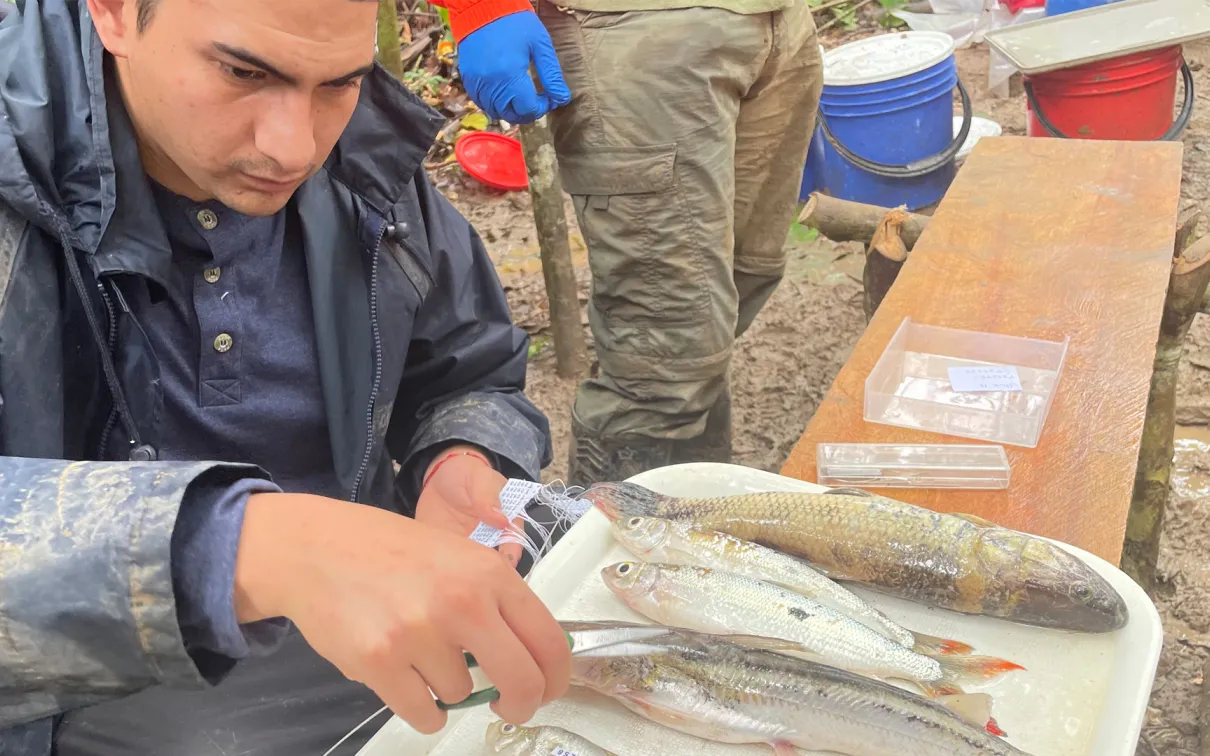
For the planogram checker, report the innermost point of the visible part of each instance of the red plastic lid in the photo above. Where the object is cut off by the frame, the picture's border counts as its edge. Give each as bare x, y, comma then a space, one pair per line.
494, 159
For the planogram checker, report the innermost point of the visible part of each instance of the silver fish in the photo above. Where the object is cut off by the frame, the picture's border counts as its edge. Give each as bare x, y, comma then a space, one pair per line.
658, 540
725, 603
706, 686
955, 561
514, 740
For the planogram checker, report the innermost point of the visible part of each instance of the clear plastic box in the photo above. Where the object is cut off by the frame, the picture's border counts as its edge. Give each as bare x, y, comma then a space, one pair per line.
981, 467
910, 385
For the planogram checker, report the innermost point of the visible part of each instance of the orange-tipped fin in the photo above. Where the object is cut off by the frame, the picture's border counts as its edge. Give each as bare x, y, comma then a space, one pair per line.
994, 728
940, 689
965, 669
933, 646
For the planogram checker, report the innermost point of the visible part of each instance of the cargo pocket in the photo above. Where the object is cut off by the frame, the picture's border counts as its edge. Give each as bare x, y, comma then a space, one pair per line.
649, 296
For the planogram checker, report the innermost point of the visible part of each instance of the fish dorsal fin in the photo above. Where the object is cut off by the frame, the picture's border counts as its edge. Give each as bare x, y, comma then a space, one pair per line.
776, 645
761, 643
974, 708
849, 492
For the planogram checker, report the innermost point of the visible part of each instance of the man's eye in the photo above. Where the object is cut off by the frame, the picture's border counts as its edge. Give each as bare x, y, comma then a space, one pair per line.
348, 84
243, 74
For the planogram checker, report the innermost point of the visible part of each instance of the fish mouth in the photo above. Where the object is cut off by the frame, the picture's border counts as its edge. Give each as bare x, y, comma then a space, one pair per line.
1087, 603
617, 500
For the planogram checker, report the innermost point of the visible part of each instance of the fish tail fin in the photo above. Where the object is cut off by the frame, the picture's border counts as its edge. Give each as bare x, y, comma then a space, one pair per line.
974, 708
617, 500
957, 670
940, 689
782, 748
933, 646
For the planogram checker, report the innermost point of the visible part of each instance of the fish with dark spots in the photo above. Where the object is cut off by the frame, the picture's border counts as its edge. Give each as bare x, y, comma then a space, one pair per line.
709, 687
957, 562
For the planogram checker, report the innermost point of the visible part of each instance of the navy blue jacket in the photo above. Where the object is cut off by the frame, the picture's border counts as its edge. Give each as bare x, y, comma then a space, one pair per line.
415, 343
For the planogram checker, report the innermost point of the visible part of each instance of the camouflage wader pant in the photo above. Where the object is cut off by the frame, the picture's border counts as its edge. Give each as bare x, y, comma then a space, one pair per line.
683, 150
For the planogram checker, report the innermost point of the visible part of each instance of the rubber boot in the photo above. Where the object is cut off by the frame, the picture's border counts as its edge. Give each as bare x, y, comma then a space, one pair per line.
597, 460
714, 445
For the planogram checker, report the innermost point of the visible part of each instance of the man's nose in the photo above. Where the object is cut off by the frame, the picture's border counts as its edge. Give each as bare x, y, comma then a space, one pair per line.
285, 133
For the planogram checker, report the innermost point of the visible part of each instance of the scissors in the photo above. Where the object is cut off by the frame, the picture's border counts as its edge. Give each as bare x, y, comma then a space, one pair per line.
585, 639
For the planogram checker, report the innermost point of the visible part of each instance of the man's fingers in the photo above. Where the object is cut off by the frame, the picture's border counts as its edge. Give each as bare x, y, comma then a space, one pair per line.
510, 667
484, 488
541, 635
526, 105
550, 73
404, 691
443, 669
511, 553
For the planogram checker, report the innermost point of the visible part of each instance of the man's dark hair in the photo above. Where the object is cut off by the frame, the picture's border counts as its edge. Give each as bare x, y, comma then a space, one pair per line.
147, 8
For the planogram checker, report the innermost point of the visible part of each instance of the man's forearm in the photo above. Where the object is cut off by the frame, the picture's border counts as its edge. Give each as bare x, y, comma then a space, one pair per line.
204, 548
88, 610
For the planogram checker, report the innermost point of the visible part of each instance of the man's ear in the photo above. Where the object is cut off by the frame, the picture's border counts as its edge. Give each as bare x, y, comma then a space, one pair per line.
116, 22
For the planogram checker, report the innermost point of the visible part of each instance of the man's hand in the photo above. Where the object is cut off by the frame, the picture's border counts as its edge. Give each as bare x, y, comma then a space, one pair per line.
393, 603
461, 490
494, 63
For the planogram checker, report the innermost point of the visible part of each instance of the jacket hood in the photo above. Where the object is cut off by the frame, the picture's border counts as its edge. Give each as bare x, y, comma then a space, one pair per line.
57, 157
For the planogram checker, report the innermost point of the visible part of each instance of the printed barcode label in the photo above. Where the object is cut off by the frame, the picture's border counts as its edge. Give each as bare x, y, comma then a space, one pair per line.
991, 378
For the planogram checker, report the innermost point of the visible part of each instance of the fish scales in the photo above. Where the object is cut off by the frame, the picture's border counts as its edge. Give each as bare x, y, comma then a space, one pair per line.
658, 540
953, 561
724, 603
708, 687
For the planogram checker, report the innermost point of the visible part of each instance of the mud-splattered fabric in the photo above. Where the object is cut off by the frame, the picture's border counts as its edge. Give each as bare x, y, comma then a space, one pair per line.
413, 338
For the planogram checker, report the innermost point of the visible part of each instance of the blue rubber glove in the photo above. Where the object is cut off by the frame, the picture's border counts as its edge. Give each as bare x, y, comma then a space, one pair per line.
494, 63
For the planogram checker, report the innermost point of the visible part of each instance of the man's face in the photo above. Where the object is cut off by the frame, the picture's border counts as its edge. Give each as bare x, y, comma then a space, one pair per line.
239, 100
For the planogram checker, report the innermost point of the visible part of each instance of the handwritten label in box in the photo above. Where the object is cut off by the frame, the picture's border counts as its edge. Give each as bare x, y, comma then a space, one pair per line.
560, 751
989, 378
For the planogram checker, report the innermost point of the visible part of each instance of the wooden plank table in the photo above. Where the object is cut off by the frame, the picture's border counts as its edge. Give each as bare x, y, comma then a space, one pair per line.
1039, 238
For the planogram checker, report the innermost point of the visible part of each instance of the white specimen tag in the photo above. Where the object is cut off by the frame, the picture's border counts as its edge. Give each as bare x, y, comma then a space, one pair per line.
989, 378
514, 497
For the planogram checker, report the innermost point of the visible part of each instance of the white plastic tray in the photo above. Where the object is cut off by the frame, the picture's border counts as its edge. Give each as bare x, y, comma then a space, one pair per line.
1081, 695
1100, 33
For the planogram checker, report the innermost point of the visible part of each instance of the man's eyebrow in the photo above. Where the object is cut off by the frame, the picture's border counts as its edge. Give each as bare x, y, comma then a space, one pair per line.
363, 71
252, 60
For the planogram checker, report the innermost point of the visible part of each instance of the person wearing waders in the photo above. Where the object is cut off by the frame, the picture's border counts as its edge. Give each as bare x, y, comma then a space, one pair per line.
681, 128
258, 383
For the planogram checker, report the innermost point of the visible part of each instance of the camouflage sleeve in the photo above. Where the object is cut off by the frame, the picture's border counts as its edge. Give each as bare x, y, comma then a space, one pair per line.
465, 377
87, 611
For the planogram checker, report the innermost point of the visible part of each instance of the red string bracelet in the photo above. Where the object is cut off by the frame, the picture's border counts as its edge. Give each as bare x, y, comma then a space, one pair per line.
447, 458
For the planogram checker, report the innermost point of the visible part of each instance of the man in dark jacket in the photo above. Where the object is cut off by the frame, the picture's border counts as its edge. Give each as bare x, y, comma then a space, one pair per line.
243, 343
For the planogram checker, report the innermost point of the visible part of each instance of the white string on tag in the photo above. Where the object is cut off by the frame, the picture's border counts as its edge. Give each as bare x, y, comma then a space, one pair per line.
515, 497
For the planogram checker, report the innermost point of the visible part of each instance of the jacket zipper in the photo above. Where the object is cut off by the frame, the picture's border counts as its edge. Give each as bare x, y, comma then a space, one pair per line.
376, 385
111, 339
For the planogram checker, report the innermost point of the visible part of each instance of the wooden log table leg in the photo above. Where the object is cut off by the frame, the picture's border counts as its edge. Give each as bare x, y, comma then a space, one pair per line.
1144, 525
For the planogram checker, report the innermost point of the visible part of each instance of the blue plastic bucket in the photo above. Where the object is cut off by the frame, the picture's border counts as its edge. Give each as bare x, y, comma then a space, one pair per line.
1058, 7
812, 173
887, 116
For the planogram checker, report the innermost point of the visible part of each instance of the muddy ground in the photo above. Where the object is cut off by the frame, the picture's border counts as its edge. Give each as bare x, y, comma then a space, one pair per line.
786, 362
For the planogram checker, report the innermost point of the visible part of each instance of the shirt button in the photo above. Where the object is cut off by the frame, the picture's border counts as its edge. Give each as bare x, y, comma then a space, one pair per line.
223, 342
208, 219
211, 274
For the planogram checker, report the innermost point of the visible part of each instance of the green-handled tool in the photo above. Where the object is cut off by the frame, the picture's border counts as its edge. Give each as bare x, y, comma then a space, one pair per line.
591, 640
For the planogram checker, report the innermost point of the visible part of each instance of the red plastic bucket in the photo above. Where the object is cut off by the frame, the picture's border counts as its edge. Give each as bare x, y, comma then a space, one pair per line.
1129, 98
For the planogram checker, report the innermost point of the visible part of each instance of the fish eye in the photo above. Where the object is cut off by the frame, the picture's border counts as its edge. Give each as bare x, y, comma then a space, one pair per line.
623, 569
635, 522
1083, 591
508, 729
